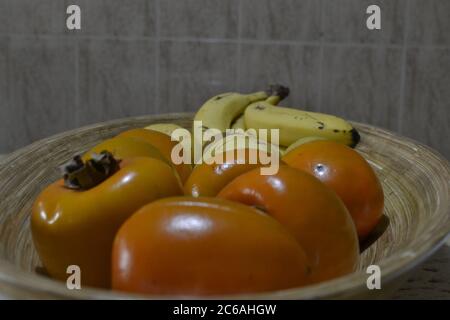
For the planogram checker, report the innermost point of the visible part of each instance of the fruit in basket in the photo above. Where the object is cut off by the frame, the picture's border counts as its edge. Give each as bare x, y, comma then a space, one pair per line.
164, 144
238, 141
311, 211
239, 123
346, 172
75, 219
295, 124
301, 141
220, 111
205, 246
207, 179
182, 135
166, 128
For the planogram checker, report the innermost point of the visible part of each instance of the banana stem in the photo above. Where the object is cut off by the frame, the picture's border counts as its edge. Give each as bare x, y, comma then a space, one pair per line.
257, 96
277, 90
274, 100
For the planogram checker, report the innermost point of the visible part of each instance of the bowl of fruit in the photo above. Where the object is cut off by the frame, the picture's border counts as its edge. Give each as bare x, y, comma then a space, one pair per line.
244, 199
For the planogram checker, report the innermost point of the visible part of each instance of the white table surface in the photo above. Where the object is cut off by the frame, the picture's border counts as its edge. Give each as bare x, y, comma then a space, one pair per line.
430, 281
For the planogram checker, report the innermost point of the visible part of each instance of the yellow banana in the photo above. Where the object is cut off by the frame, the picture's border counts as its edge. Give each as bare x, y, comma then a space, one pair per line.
295, 124
220, 111
238, 141
239, 123
301, 141
166, 128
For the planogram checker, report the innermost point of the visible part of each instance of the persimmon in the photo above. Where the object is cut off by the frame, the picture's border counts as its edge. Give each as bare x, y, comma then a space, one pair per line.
163, 143
345, 171
311, 211
74, 220
207, 179
205, 246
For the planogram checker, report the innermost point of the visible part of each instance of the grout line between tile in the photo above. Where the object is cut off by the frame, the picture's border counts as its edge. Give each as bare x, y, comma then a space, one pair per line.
231, 41
403, 69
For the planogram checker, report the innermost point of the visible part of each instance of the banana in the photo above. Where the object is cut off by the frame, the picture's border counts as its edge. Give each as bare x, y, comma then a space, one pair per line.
301, 141
166, 128
220, 111
295, 124
238, 141
239, 123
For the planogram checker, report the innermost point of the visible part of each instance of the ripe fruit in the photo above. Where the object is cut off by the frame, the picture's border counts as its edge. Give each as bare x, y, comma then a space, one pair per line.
209, 179
295, 124
220, 111
309, 210
166, 128
204, 246
301, 141
163, 143
75, 224
346, 172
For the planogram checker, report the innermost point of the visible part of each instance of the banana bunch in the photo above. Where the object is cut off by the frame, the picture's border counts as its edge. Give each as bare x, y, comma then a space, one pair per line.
296, 124
259, 110
224, 110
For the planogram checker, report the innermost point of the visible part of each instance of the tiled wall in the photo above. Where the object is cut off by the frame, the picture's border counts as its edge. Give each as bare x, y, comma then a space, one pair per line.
136, 57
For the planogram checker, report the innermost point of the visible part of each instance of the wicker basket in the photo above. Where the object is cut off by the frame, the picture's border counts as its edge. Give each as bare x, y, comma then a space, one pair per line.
416, 182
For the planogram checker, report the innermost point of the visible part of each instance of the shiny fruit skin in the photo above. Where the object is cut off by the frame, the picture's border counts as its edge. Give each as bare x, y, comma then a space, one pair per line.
309, 210
72, 227
207, 180
163, 143
346, 172
204, 246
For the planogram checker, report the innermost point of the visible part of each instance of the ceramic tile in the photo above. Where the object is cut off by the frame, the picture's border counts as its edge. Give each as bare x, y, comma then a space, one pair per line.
426, 110
297, 67
281, 19
199, 18
362, 84
116, 79
192, 72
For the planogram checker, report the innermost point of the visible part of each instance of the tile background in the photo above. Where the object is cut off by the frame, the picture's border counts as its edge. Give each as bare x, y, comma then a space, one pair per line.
261, 64
190, 72
116, 78
152, 56
362, 84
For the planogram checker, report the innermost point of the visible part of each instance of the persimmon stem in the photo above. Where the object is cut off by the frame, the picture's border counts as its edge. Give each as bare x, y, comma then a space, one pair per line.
84, 175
